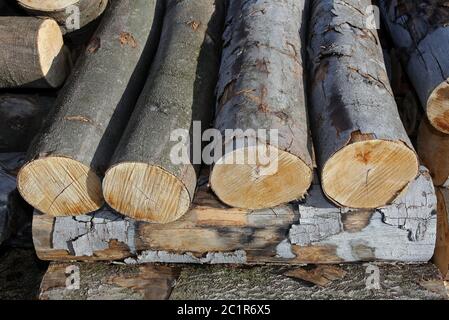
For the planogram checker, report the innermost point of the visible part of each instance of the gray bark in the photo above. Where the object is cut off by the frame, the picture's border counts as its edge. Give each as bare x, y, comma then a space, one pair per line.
20, 65
179, 90
350, 90
419, 30
94, 106
22, 117
261, 83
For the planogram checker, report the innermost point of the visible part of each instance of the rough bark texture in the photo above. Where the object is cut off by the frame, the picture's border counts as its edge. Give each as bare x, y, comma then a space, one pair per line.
89, 10
22, 117
180, 90
15, 215
351, 97
415, 282
93, 108
433, 149
314, 231
101, 281
441, 256
261, 87
419, 30
32, 53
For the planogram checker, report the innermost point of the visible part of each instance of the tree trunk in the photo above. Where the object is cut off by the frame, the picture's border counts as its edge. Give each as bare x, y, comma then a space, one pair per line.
145, 182
22, 117
32, 53
73, 151
64, 11
102, 281
420, 30
261, 88
314, 231
441, 256
364, 154
433, 149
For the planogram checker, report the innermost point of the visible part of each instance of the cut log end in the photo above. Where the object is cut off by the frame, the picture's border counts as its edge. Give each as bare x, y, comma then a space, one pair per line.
47, 5
379, 170
60, 186
438, 107
146, 192
244, 180
52, 56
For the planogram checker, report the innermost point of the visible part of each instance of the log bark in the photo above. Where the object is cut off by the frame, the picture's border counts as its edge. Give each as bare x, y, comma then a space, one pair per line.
22, 117
364, 154
101, 281
433, 149
72, 152
261, 88
441, 255
419, 30
211, 233
63, 11
396, 282
32, 53
144, 181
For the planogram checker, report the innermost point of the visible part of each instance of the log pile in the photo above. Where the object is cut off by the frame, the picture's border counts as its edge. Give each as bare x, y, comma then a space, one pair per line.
111, 178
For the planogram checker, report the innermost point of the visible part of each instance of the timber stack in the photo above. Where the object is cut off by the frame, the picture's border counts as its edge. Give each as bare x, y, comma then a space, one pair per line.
310, 158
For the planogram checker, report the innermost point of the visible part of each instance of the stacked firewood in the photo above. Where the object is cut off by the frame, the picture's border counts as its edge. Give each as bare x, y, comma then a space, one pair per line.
312, 71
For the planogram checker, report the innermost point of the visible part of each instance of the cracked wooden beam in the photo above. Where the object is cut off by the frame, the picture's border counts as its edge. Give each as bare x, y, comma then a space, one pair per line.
261, 88
65, 11
32, 54
314, 231
145, 181
419, 30
365, 157
72, 152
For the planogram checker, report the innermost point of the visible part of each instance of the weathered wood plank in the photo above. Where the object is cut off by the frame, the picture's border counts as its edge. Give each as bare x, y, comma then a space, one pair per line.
314, 231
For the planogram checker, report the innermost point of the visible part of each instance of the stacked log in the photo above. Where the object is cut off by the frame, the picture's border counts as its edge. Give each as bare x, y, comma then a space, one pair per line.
420, 31
65, 11
144, 181
32, 53
364, 154
261, 87
67, 159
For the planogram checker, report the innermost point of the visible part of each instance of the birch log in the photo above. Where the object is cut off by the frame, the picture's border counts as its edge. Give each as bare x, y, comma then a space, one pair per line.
420, 31
71, 15
145, 182
261, 88
441, 255
364, 154
22, 117
32, 53
73, 151
433, 149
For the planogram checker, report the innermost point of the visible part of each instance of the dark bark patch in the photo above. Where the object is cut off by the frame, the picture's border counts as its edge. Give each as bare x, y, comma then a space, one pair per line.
94, 45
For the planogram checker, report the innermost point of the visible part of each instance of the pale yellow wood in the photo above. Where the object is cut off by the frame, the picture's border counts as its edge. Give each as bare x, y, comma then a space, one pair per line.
47, 5
145, 192
251, 185
60, 186
438, 107
369, 174
52, 56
